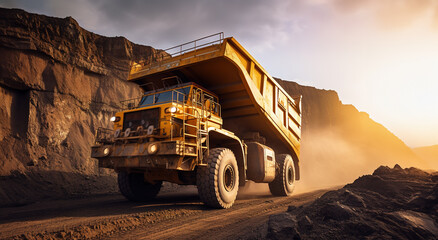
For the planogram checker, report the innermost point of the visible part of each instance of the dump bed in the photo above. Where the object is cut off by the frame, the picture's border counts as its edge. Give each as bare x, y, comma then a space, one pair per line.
251, 100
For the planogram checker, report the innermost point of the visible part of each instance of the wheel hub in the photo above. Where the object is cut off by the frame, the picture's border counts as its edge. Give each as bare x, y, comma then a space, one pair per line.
229, 178
290, 176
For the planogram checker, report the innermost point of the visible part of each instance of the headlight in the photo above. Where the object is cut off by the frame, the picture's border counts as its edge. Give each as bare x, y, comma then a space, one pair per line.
153, 148
114, 119
106, 151
171, 110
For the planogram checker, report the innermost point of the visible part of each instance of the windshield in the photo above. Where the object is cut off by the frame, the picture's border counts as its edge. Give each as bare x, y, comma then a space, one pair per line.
176, 95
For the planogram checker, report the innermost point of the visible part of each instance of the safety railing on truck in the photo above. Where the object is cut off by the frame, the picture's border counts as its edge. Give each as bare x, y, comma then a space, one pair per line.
104, 135
176, 96
214, 39
194, 45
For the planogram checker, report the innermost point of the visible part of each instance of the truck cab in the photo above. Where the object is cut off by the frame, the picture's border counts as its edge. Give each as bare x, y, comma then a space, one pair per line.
164, 127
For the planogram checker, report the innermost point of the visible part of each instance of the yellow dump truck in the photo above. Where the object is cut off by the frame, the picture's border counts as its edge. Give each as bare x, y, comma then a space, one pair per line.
210, 116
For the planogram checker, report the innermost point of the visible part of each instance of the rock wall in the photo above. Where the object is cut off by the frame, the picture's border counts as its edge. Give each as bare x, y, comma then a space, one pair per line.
58, 83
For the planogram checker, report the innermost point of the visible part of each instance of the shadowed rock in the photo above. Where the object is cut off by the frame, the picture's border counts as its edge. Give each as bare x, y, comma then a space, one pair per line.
393, 203
283, 226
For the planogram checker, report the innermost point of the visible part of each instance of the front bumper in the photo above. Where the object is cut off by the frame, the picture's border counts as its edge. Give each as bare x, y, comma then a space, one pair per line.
169, 155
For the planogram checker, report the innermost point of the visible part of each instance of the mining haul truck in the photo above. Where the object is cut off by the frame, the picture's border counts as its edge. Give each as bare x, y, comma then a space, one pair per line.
210, 116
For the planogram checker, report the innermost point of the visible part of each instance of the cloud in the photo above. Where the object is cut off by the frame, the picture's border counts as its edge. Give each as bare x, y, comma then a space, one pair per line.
258, 23
161, 23
392, 14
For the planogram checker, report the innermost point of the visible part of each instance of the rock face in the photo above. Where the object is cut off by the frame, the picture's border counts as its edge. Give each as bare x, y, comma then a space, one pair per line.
392, 203
58, 83
340, 143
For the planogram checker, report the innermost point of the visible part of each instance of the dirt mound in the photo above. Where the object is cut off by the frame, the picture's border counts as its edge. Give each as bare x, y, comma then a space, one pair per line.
392, 203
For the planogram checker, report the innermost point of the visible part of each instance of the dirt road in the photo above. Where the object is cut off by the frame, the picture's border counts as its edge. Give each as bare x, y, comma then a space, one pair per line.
172, 215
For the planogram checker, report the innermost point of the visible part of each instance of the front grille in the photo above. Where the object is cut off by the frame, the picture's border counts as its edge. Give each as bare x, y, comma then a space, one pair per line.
143, 118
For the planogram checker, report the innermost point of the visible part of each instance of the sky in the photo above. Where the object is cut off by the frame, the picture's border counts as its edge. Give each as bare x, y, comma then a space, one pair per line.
380, 56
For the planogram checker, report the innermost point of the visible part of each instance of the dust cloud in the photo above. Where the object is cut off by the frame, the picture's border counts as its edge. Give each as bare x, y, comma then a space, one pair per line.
328, 160
253, 190
330, 157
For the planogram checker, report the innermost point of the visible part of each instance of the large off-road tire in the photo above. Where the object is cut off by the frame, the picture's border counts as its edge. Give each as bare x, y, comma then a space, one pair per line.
218, 183
284, 182
134, 188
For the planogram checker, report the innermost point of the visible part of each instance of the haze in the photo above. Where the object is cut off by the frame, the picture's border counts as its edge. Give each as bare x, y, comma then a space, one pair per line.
380, 56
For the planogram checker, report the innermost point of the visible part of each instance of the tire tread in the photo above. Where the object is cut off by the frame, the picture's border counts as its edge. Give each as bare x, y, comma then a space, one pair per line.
207, 179
277, 187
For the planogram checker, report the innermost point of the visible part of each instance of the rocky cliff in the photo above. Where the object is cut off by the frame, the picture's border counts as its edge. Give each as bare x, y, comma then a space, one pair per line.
59, 82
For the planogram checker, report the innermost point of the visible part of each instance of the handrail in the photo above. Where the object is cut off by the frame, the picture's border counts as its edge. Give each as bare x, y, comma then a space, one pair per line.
103, 135
157, 61
181, 50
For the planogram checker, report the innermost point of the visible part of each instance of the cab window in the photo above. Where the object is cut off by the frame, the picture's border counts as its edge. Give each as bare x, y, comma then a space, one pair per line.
177, 95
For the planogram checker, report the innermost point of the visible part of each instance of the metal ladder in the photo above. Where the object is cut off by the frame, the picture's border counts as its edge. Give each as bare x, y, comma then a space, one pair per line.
200, 128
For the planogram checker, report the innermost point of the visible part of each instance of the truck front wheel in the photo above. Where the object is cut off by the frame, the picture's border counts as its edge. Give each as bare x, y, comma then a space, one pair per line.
134, 187
284, 182
218, 183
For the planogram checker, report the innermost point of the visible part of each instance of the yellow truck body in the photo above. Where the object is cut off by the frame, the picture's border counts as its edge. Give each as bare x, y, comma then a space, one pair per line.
210, 116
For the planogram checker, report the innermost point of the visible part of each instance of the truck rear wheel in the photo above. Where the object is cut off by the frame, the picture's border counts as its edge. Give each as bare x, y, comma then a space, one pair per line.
134, 188
284, 182
218, 183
